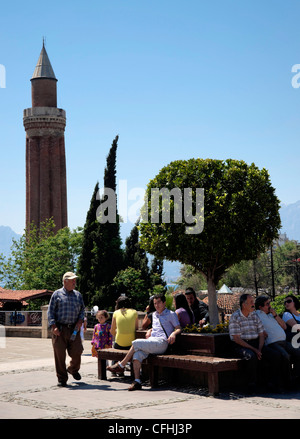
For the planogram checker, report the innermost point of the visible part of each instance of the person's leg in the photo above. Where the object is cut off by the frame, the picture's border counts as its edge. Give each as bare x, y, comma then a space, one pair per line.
138, 352
75, 350
250, 366
142, 348
295, 360
59, 348
285, 362
123, 348
271, 363
119, 366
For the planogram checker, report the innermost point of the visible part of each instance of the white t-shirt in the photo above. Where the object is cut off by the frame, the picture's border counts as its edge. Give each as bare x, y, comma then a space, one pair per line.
287, 315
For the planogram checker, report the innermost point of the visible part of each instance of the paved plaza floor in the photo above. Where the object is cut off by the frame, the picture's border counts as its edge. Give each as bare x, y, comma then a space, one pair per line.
28, 390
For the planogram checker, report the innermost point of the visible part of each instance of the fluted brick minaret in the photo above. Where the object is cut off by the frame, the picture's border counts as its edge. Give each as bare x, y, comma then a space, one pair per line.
46, 187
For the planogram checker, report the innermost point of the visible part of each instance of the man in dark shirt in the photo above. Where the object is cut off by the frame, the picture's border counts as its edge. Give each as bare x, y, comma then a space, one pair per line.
199, 308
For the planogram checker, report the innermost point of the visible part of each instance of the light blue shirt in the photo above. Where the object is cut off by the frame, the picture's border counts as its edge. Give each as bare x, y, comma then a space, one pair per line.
168, 319
273, 329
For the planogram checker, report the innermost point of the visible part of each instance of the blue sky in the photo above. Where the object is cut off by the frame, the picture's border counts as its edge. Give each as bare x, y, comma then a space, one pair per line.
174, 79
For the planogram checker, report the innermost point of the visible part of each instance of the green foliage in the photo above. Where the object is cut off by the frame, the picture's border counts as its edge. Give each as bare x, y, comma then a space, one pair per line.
39, 259
278, 303
190, 277
241, 217
169, 301
251, 274
102, 256
131, 283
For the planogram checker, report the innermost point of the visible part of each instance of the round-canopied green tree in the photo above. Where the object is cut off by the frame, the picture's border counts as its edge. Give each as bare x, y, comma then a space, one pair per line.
239, 217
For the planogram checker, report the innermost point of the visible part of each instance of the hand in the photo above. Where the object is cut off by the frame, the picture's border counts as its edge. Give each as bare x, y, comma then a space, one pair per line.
258, 353
55, 330
148, 333
172, 338
202, 322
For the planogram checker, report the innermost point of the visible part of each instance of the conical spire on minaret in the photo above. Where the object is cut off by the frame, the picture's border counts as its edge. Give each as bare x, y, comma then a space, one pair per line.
44, 123
43, 68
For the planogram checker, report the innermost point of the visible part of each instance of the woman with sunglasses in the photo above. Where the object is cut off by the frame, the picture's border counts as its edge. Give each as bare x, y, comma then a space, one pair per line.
291, 316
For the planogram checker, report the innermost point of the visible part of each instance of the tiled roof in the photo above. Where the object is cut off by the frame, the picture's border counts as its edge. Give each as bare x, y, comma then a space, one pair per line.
21, 295
228, 303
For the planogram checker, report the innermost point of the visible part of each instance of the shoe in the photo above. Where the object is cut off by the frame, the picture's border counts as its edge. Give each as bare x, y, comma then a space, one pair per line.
116, 368
75, 375
135, 386
62, 384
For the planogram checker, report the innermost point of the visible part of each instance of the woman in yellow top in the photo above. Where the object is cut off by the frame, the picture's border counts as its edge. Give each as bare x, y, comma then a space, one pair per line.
124, 323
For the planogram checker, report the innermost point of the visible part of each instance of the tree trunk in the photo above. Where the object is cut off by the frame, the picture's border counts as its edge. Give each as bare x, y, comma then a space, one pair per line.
212, 302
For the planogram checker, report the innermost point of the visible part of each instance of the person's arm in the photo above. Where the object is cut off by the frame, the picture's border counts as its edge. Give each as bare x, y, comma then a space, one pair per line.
148, 333
109, 336
178, 315
51, 315
291, 322
278, 319
261, 341
78, 324
113, 328
204, 313
146, 322
172, 337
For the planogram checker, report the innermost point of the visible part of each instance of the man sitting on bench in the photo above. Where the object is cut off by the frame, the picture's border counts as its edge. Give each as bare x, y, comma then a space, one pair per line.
165, 327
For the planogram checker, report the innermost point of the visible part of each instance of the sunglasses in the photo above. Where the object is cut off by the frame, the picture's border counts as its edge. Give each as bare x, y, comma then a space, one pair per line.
288, 301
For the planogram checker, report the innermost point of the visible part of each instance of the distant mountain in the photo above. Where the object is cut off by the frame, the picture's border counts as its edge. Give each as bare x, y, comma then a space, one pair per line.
290, 219
6, 237
171, 271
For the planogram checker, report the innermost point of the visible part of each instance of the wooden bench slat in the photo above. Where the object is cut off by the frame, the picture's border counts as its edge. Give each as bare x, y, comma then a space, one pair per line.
203, 363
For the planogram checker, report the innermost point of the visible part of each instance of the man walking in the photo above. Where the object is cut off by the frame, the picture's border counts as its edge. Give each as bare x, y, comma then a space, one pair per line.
165, 328
66, 315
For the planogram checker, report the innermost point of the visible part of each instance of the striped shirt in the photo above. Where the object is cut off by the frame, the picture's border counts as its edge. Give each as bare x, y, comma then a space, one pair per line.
248, 328
65, 307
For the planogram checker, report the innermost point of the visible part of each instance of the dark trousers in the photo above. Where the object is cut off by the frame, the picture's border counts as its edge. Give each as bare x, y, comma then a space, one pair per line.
61, 345
289, 356
265, 371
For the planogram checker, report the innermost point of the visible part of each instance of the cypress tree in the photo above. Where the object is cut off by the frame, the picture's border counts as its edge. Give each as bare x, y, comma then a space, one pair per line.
87, 269
102, 255
135, 256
